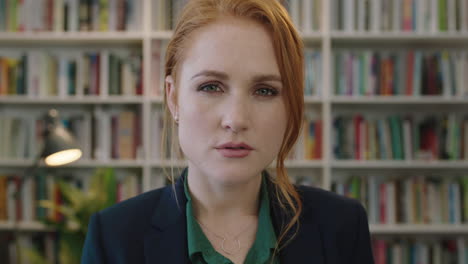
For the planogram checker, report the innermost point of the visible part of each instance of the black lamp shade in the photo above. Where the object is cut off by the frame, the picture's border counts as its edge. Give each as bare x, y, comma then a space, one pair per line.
59, 146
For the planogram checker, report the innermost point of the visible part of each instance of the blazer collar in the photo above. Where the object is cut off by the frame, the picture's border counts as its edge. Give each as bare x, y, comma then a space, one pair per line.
307, 244
166, 241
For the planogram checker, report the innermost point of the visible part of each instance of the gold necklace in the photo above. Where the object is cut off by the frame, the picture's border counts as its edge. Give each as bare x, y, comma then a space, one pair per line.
236, 238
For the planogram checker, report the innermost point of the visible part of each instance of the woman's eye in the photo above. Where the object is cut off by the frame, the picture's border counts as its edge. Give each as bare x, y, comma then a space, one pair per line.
266, 92
211, 88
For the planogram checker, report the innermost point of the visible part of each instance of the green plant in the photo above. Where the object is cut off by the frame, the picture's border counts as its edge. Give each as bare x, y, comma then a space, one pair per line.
77, 209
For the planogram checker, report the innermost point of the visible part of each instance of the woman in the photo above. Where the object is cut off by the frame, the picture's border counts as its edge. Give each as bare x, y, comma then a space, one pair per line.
234, 91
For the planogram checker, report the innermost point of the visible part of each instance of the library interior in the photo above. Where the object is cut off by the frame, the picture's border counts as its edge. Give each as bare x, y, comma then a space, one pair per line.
386, 118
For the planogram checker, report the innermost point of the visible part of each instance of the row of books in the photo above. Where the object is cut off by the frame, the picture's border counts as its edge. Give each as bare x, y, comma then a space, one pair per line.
410, 251
422, 16
21, 135
13, 247
409, 200
165, 13
157, 124
313, 72
410, 72
401, 137
102, 135
306, 14
309, 144
40, 74
158, 53
26, 208
70, 15
116, 134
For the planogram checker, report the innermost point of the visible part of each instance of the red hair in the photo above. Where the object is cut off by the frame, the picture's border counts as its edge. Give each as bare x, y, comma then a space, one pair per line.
288, 48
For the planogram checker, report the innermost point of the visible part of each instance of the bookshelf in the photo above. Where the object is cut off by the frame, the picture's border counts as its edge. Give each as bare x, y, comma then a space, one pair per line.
321, 34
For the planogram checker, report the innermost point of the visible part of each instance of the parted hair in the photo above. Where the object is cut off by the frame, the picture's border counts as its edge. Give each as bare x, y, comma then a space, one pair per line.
288, 49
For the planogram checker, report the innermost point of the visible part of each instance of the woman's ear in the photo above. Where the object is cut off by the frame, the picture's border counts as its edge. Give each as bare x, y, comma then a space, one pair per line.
171, 96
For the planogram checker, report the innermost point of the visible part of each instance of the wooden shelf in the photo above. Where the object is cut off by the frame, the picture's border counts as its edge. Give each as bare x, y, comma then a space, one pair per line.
24, 163
309, 37
312, 37
303, 164
312, 99
161, 35
308, 99
290, 164
112, 99
390, 164
399, 100
421, 229
168, 164
71, 37
24, 226
399, 37
376, 229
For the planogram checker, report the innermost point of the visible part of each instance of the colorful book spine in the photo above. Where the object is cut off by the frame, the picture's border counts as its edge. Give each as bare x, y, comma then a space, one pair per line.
70, 15
410, 73
409, 200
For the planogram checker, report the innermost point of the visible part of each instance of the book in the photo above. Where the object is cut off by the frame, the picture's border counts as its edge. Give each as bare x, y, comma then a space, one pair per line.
70, 15
126, 121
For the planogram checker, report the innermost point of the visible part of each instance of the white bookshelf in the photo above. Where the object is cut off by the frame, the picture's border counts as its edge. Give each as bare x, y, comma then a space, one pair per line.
79, 36
25, 227
398, 100
24, 163
325, 105
379, 229
404, 164
399, 36
422, 229
71, 100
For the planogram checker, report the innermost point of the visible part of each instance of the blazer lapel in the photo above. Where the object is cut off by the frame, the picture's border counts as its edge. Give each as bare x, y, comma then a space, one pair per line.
307, 245
166, 241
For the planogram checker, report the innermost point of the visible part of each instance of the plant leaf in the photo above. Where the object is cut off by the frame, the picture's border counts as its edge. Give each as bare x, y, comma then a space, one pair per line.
33, 256
65, 210
72, 194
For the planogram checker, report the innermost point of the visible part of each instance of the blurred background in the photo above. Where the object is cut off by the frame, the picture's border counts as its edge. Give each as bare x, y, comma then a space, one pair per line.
386, 120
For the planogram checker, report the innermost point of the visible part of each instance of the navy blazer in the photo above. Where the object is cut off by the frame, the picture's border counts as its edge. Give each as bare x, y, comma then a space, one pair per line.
152, 228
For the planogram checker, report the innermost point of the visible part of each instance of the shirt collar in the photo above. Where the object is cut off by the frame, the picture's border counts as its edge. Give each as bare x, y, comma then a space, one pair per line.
265, 239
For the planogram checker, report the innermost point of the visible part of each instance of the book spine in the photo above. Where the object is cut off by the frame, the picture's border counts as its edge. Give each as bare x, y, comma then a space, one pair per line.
307, 16
103, 15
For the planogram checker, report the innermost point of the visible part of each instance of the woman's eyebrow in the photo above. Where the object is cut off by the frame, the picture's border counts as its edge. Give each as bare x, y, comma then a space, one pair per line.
217, 74
224, 76
266, 78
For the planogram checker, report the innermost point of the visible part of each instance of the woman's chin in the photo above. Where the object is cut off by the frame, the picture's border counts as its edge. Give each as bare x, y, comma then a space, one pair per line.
227, 177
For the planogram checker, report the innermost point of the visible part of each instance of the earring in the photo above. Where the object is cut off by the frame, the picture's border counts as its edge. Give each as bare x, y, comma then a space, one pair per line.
176, 118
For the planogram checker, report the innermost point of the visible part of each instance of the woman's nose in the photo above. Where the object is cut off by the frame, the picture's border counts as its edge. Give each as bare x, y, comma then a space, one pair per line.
236, 116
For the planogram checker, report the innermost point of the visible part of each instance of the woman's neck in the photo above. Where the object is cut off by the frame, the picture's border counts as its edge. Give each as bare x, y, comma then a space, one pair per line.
218, 201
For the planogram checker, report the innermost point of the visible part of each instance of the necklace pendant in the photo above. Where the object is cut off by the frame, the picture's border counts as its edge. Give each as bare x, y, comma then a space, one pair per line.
230, 252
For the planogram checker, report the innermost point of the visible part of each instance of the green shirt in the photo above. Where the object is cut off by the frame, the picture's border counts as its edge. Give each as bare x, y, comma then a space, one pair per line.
202, 252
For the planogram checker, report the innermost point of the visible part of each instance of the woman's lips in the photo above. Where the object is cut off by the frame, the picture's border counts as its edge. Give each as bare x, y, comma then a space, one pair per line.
234, 153
234, 149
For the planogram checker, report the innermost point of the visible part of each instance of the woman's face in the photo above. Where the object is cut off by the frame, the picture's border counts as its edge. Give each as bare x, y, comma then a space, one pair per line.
229, 91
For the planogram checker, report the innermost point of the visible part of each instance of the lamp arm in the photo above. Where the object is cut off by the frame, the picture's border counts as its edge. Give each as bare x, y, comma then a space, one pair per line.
28, 173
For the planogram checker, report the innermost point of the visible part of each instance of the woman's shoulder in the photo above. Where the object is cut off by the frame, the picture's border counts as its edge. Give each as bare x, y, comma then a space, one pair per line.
340, 221
138, 208
319, 195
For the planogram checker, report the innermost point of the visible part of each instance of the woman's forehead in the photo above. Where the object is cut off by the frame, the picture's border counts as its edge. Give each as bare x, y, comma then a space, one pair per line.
232, 46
